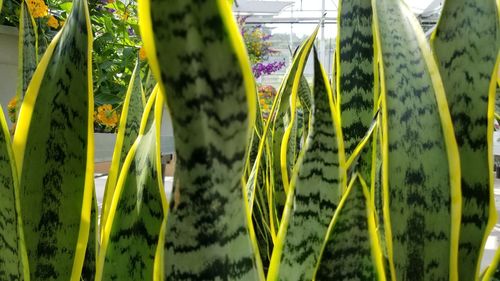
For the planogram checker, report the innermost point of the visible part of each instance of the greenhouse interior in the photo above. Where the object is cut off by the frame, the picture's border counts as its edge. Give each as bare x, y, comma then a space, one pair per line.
250, 140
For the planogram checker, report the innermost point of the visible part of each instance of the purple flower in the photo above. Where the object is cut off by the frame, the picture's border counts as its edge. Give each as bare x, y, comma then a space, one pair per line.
260, 68
111, 10
130, 31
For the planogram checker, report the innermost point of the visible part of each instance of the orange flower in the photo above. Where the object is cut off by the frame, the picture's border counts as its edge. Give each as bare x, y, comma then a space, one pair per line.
37, 8
106, 116
142, 54
12, 109
53, 22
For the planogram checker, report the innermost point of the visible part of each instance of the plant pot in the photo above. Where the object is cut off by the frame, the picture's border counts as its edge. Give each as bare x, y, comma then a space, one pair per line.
8, 65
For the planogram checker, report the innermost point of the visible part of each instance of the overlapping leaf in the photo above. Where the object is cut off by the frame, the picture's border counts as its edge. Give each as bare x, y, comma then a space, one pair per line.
420, 170
53, 147
466, 46
351, 250
13, 259
138, 209
128, 129
315, 191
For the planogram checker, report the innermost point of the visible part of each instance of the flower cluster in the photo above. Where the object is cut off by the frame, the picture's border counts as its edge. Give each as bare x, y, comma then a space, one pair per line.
53, 22
259, 49
106, 116
266, 99
262, 68
38, 8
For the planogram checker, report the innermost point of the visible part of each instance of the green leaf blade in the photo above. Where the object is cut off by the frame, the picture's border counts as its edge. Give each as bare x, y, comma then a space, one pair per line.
317, 188
202, 66
466, 44
54, 153
420, 157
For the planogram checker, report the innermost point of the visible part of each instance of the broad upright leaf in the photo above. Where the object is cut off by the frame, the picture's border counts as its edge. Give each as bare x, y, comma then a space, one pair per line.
13, 259
201, 63
316, 193
138, 208
351, 250
466, 45
53, 145
28, 57
128, 129
421, 172
355, 77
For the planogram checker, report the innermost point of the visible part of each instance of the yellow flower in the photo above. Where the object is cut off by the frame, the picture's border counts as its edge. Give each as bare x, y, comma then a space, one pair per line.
107, 116
53, 22
142, 53
37, 8
125, 16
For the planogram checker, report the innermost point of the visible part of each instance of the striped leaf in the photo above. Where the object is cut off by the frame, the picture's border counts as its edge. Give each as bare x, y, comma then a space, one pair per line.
138, 208
316, 192
54, 157
355, 77
13, 259
466, 46
351, 250
128, 129
28, 57
201, 64
420, 173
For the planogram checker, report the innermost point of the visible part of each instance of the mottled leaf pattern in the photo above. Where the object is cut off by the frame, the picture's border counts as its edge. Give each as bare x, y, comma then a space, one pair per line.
351, 248
132, 232
317, 187
53, 146
201, 63
13, 261
420, 173
466, 46
355, 78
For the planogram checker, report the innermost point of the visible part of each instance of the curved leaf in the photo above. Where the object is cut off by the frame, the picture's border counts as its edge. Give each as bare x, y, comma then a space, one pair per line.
201, 63
351, 250
53, 147
466, 46
316, 193
421, 172
28, 57
128, 129
138, 209
13, 259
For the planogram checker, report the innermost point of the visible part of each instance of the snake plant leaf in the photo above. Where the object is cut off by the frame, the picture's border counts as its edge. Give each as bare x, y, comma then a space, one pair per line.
28, 57
202, 66
53, 147
421, 170
132, 231
316, 192
13, 259
466, 46
351, 248
355, 77
128, 129
89, 264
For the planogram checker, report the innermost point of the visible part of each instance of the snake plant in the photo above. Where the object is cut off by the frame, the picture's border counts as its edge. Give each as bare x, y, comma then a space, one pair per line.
381, 172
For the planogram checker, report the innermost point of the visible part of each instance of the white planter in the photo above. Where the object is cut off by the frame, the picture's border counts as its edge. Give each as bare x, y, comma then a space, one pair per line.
8, 65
